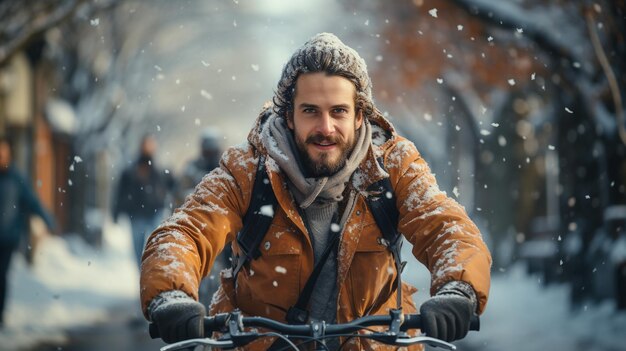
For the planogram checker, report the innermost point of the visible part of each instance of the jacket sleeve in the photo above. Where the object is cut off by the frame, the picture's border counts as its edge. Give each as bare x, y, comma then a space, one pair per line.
183, 248
34, 206
443, 236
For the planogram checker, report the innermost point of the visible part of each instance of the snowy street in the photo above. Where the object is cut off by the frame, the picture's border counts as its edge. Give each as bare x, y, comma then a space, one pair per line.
523, 315
515, 106
76, 298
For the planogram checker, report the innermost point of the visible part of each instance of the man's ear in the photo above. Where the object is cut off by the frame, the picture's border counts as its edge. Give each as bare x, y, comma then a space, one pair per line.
290, 120
358, 119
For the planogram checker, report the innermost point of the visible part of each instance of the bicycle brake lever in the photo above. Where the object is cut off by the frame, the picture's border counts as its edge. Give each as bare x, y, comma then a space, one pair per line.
187, 344
402, 341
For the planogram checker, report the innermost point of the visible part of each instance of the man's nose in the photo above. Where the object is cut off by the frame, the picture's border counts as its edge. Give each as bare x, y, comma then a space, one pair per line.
326, 125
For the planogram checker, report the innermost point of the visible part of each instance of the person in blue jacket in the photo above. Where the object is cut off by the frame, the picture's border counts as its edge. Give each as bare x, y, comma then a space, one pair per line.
17, 203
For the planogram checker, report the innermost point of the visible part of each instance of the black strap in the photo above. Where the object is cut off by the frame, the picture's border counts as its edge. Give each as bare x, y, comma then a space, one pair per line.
256, 224
256, 221
382, 204
298, 314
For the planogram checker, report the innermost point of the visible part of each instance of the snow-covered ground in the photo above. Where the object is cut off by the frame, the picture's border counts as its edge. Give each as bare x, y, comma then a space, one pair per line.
70, 285
73, 285
522, 314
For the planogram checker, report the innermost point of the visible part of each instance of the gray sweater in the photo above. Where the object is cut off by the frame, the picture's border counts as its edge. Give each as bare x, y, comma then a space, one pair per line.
324, 297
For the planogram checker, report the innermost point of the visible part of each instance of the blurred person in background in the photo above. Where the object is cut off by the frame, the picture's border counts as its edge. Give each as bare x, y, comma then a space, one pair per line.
195, 170
207, 160
17, 203
142, 194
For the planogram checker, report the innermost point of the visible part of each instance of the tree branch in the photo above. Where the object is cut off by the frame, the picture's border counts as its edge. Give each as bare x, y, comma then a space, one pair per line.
610, 75
38, 27
506, 19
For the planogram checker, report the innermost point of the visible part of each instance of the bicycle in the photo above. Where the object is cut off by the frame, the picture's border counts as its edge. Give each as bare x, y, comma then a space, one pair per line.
234, 335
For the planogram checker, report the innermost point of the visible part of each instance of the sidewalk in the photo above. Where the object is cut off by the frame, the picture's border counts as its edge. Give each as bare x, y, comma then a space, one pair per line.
524, 315
70, 285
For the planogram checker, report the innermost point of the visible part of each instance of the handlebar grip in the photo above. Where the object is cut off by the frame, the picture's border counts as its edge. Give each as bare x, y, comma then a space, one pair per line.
153, 331
215, 323
211, 324
475, 323
415, 321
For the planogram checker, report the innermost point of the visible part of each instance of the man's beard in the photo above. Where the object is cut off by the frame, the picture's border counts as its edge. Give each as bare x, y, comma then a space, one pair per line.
324, 167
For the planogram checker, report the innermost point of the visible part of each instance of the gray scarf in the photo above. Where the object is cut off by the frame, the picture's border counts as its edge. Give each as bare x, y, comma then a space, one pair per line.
281, 146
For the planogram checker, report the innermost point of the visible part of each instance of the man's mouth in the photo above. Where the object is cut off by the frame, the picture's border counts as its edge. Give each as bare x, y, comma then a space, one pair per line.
324, 144
321, 143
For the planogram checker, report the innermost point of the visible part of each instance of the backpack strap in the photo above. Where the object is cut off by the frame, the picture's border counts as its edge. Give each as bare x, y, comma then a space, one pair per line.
257, 220
382, 204
298, 314
260, 213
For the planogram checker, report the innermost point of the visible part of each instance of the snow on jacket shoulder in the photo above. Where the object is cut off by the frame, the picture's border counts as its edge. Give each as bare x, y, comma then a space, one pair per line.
183, 248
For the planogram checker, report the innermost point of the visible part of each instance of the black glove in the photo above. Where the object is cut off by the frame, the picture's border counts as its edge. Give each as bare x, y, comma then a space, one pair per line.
446, 317
179, 320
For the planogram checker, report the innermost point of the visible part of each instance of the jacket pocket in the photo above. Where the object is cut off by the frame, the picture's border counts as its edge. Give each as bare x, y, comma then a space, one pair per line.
371, 274
271, 283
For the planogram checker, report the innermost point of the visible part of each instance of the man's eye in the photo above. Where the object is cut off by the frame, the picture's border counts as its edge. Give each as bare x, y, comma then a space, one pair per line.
340, 110
309, 110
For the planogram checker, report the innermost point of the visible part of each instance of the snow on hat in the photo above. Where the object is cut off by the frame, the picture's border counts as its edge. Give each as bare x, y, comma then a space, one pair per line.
324, 52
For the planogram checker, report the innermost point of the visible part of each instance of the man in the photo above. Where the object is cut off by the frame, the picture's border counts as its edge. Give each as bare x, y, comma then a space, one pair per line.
17, 202
142, 193
320, 142
195, 170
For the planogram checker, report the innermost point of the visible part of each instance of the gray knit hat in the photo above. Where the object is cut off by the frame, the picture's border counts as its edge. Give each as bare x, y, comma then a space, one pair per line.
324, 53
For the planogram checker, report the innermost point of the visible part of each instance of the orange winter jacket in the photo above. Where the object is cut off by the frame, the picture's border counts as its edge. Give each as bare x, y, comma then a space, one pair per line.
182, 249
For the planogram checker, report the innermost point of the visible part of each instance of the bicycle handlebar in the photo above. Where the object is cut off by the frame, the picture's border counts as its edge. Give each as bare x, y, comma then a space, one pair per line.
234, 323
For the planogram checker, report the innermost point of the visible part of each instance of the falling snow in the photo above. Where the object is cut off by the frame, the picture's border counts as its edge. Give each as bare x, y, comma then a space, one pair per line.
280, 269
267, 210
205, 94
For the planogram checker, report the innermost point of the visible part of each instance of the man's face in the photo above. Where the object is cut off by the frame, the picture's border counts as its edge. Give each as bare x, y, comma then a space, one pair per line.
324, 121
148, 146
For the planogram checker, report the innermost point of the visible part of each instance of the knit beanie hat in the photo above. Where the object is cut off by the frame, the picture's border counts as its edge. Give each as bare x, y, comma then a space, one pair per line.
324, 53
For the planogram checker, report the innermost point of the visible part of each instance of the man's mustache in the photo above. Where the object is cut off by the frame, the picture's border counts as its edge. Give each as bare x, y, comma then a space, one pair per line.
320, 138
